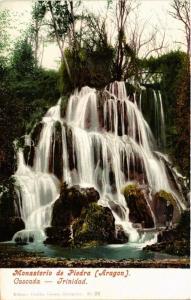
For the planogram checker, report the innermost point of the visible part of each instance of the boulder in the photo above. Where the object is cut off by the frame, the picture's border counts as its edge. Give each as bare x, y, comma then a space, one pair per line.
59, 236
139, 210
96, 224
159, 207
70, 204
175, 241
120, 236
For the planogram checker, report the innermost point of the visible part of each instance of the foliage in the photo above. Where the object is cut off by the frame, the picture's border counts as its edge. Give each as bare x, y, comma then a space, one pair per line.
4, 36
88, 67
23, 103
7, 196
23, 62
131, 190
4, 41
91, 61
175, 93
165, 196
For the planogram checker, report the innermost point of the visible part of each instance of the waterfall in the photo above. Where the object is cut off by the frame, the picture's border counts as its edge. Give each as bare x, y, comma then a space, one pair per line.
38, 188
105, 145
155, 117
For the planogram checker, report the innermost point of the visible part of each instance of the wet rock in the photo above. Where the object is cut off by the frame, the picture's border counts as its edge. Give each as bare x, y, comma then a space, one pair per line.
121, 237
70, 148
96, 224
29, 153
139, 211
9, 226
58, 236
159, 204
176, 247
35, 135
70, 204
56, 152
117, 209
29, 150
175, 241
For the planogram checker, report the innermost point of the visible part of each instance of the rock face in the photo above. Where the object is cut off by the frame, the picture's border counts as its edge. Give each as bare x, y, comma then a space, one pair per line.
139, 210
56, 161
159, 207
29, 151
175, 241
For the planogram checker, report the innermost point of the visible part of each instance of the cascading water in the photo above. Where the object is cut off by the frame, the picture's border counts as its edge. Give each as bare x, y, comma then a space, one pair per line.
156, 114
37, 187
103, 145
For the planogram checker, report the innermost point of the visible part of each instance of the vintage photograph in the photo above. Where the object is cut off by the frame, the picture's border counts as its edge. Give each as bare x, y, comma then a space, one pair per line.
94, 134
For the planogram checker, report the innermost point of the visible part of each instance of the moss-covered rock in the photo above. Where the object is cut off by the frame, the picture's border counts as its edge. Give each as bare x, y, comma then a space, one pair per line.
58, 236
96, 224
159, 205
175, 241
139, 211
70, 204
76, 214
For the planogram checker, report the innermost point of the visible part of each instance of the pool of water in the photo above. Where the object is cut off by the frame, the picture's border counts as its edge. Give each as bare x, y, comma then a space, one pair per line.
116, 252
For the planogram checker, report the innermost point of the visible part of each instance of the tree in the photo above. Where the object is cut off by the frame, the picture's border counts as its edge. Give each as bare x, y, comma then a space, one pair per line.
181, 11
4, 40
23, 61
38, 13
141, 40
123, 9
91, 61
61, 23
4, 36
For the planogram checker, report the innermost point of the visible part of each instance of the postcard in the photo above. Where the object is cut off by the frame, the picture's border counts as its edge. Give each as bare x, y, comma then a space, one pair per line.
94, 149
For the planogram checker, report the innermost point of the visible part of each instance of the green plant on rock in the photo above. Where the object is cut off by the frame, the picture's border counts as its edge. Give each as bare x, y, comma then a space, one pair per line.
139, 211
95, 225
131, 190
166, 196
